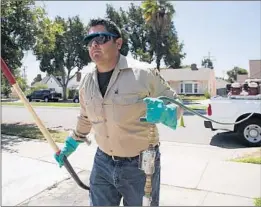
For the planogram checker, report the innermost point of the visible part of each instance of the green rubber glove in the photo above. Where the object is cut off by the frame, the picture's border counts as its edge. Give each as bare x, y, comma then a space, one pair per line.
158, 112
69, 147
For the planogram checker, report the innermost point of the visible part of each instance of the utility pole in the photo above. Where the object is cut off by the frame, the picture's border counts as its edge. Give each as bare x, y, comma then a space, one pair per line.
209, 58
24, 72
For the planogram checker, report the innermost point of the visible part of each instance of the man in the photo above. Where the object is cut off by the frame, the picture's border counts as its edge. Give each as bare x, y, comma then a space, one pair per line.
111, 100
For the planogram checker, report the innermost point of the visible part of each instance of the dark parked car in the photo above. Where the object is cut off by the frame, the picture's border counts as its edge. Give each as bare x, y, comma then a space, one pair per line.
76, 99
44, 95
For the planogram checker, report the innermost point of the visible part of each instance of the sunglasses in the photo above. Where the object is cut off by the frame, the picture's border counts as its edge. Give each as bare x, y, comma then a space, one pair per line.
100, 38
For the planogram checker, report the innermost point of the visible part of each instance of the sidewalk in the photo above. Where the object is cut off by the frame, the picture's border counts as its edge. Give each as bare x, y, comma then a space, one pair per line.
196, 175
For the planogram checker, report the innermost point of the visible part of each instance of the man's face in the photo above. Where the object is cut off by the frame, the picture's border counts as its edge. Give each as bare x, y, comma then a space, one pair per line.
102, 52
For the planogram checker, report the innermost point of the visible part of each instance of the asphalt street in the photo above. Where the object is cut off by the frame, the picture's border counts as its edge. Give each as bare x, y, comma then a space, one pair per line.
65, 119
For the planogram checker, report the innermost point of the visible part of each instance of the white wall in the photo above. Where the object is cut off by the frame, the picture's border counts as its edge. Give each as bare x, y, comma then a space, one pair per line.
53, 84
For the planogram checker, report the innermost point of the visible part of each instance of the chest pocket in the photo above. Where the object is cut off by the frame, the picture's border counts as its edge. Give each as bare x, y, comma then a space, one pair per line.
128, 107
126, 98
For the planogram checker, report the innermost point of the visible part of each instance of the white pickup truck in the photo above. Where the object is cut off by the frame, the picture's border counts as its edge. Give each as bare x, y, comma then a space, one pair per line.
233, 109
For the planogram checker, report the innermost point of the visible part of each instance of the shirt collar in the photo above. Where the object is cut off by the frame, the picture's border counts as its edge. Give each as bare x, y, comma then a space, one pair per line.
122, 63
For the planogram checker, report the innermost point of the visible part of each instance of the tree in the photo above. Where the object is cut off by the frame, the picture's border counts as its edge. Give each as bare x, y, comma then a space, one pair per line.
173, 49
38, 78
138, 34
22, 83
148, 42
232, 74
120, 19
207, 63
163, 37
19, 27
61, 49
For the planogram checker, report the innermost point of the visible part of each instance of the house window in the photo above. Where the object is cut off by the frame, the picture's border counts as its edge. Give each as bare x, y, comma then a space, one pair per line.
188, 88
195, 88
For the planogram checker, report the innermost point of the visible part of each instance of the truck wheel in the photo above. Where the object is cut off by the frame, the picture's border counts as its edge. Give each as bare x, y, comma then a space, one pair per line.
249, 132
46, 99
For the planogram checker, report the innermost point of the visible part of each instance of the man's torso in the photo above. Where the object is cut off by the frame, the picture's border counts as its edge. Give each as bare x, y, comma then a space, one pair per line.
115, 114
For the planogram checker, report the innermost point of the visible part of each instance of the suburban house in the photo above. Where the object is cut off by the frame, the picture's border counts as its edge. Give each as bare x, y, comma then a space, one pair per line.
241, 78
52, 83
221, 86
254, 72
255, 69
191, 81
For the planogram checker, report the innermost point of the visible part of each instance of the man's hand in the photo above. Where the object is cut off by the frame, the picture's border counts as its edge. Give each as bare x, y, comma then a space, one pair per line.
158, 112
69, 147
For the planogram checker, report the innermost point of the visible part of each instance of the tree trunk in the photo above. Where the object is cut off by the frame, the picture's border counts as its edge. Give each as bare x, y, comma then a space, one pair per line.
157, 51
64, 92
158, 63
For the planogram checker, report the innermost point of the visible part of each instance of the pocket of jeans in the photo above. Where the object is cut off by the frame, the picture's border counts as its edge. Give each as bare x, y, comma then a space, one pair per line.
99, 153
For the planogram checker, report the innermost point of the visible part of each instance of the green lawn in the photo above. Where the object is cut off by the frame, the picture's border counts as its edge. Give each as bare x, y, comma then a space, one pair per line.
193, 98
53, 104
257, 201
253, 158
31, 131
199, 107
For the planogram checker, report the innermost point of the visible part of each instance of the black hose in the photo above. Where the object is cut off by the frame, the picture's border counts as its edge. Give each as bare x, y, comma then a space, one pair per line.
69, 168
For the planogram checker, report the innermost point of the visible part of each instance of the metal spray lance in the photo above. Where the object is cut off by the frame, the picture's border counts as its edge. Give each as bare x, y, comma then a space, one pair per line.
147, 164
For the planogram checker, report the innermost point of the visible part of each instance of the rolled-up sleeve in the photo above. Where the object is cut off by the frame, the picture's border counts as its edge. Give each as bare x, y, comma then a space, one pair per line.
159, 87
83, 125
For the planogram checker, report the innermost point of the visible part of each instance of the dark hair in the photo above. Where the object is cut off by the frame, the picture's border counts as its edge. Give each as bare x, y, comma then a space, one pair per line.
110, 26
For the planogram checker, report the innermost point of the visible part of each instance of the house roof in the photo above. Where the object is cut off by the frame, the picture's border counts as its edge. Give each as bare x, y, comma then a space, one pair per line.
47, 78
186, 74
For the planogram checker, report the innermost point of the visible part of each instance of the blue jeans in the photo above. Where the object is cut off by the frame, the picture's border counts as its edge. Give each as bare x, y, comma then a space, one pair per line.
111, 180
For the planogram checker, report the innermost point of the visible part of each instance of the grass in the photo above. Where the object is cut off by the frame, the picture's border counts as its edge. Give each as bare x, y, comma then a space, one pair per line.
192, 98
197, 107
257, 201
51, 104
31, 131
253, 158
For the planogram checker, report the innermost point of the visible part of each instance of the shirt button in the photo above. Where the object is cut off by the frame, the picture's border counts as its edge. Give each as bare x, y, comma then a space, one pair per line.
105, 120
107, 137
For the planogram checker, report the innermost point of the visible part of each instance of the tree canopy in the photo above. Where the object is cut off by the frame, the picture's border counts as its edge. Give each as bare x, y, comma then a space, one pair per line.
19, 29
60, 49
149, 34
151, 31
232, 74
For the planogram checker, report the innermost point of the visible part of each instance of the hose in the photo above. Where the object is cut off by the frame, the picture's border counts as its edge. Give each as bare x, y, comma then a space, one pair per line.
200, 115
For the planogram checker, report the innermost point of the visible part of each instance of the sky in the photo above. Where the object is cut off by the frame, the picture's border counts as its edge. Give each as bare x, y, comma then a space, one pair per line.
230, 31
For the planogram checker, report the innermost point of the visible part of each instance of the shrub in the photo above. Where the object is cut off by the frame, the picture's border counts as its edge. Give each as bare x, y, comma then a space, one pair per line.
207, 95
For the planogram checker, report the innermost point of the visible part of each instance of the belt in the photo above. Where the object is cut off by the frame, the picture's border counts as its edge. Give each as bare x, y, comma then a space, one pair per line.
116, 158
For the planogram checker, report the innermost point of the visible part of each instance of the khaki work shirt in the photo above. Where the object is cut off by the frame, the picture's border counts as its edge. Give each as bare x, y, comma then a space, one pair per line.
114, 119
